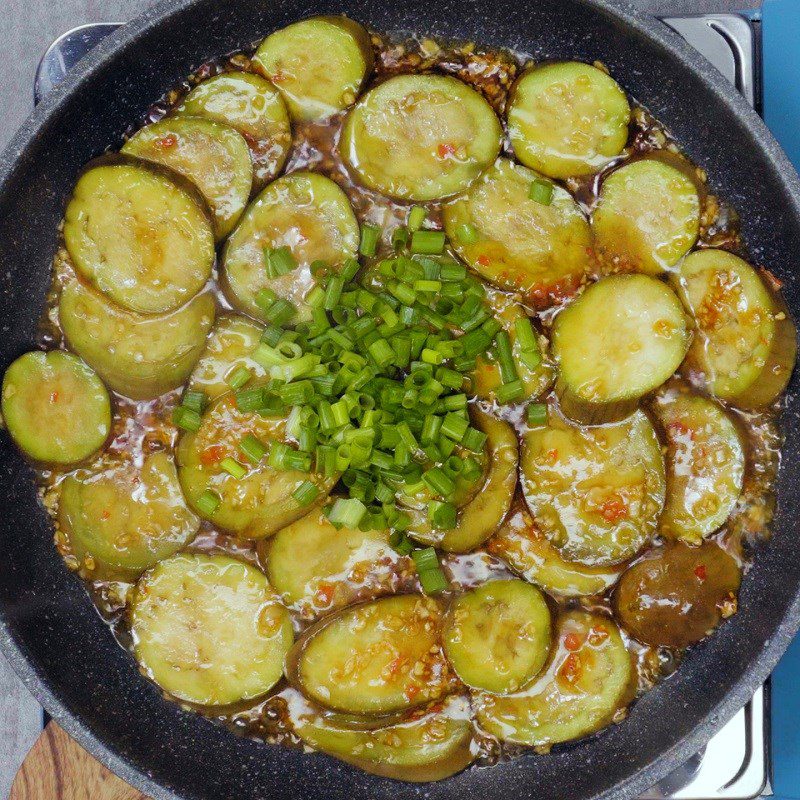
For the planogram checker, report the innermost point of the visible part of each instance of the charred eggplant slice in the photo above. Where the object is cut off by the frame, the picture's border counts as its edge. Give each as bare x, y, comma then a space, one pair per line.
213, 156
142, 239
497, 636
597, 493
55, 407
374, 658
209, 630
138, 356
588, 679
123, 519
746, 344
319, 65
567, 118
255, 108
420, 137
543, 250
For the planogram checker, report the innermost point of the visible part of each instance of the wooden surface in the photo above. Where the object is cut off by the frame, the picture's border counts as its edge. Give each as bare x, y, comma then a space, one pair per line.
58, 769
27, 27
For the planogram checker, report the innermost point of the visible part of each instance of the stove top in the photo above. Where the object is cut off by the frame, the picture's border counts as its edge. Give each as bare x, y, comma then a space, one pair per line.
736, 763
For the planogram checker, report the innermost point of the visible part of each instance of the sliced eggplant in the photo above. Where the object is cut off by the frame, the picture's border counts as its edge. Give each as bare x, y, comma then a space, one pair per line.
319, 65
139, 236
535, 380
374, 658
596, 493
522, 545
213, 156
589, 679
230, 345
622, 338
306, 212
317, 568
745, 344
678, 594
138, 356
209, 630
567, 118
647, 217
255, 108
705, 465
259, 503
421, 137
55, 407
124, 519
483, 505
497, 636
428, 746
541, 250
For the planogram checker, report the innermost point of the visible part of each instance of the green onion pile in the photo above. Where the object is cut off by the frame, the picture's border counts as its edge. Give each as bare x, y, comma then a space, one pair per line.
374, 387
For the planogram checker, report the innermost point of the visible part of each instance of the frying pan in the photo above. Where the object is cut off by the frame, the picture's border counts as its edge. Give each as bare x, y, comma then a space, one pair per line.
49, 629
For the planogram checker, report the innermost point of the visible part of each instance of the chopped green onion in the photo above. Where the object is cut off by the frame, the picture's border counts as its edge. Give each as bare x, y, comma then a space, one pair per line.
253, 448
265, 298
453, 272
370, 234
306, 493
279, 261
347, 513
537, 414
508, 368
280, 312
416, 217
195, 401
208, 502
433, 581
399, 238
474, 440
438, 481
250, 399
349, 269
442, 515
510, 392
427, 242
333, 291
541, 191
425, 559
454, 427
233, 468
467, 233
186, 419
238, 377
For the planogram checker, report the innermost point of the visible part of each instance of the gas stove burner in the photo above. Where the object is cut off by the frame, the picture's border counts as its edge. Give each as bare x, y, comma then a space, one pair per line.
735, 764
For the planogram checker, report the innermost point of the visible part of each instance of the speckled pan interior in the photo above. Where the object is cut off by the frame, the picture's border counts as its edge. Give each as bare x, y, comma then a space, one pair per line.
49, 628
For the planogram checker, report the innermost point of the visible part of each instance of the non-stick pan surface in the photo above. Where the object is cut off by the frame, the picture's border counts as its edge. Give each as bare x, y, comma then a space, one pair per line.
48, 627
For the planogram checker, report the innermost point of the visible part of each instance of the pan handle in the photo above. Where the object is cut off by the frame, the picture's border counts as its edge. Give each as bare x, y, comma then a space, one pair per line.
65, 52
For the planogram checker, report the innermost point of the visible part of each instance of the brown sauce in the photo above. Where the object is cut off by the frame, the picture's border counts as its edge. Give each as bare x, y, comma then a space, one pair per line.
143, 427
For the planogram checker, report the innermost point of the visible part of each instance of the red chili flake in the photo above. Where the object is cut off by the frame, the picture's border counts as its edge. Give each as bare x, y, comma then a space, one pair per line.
570, 670
572, 641
613, 510
105, 515
483, 261
54, 397
700, 572
325, 592
165, 142
444, 150
597, 635
212, 455
411, 692
552, 455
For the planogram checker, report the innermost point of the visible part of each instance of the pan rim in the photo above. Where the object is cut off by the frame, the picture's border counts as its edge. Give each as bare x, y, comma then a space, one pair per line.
635, 21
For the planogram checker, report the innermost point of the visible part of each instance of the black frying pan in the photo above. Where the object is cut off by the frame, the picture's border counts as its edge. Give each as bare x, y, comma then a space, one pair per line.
48, 627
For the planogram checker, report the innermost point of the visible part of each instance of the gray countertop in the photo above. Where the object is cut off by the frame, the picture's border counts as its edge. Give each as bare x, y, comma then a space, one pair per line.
27, 27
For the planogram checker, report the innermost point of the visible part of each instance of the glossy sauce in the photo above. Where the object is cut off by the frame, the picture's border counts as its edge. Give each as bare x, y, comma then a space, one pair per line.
140, 428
